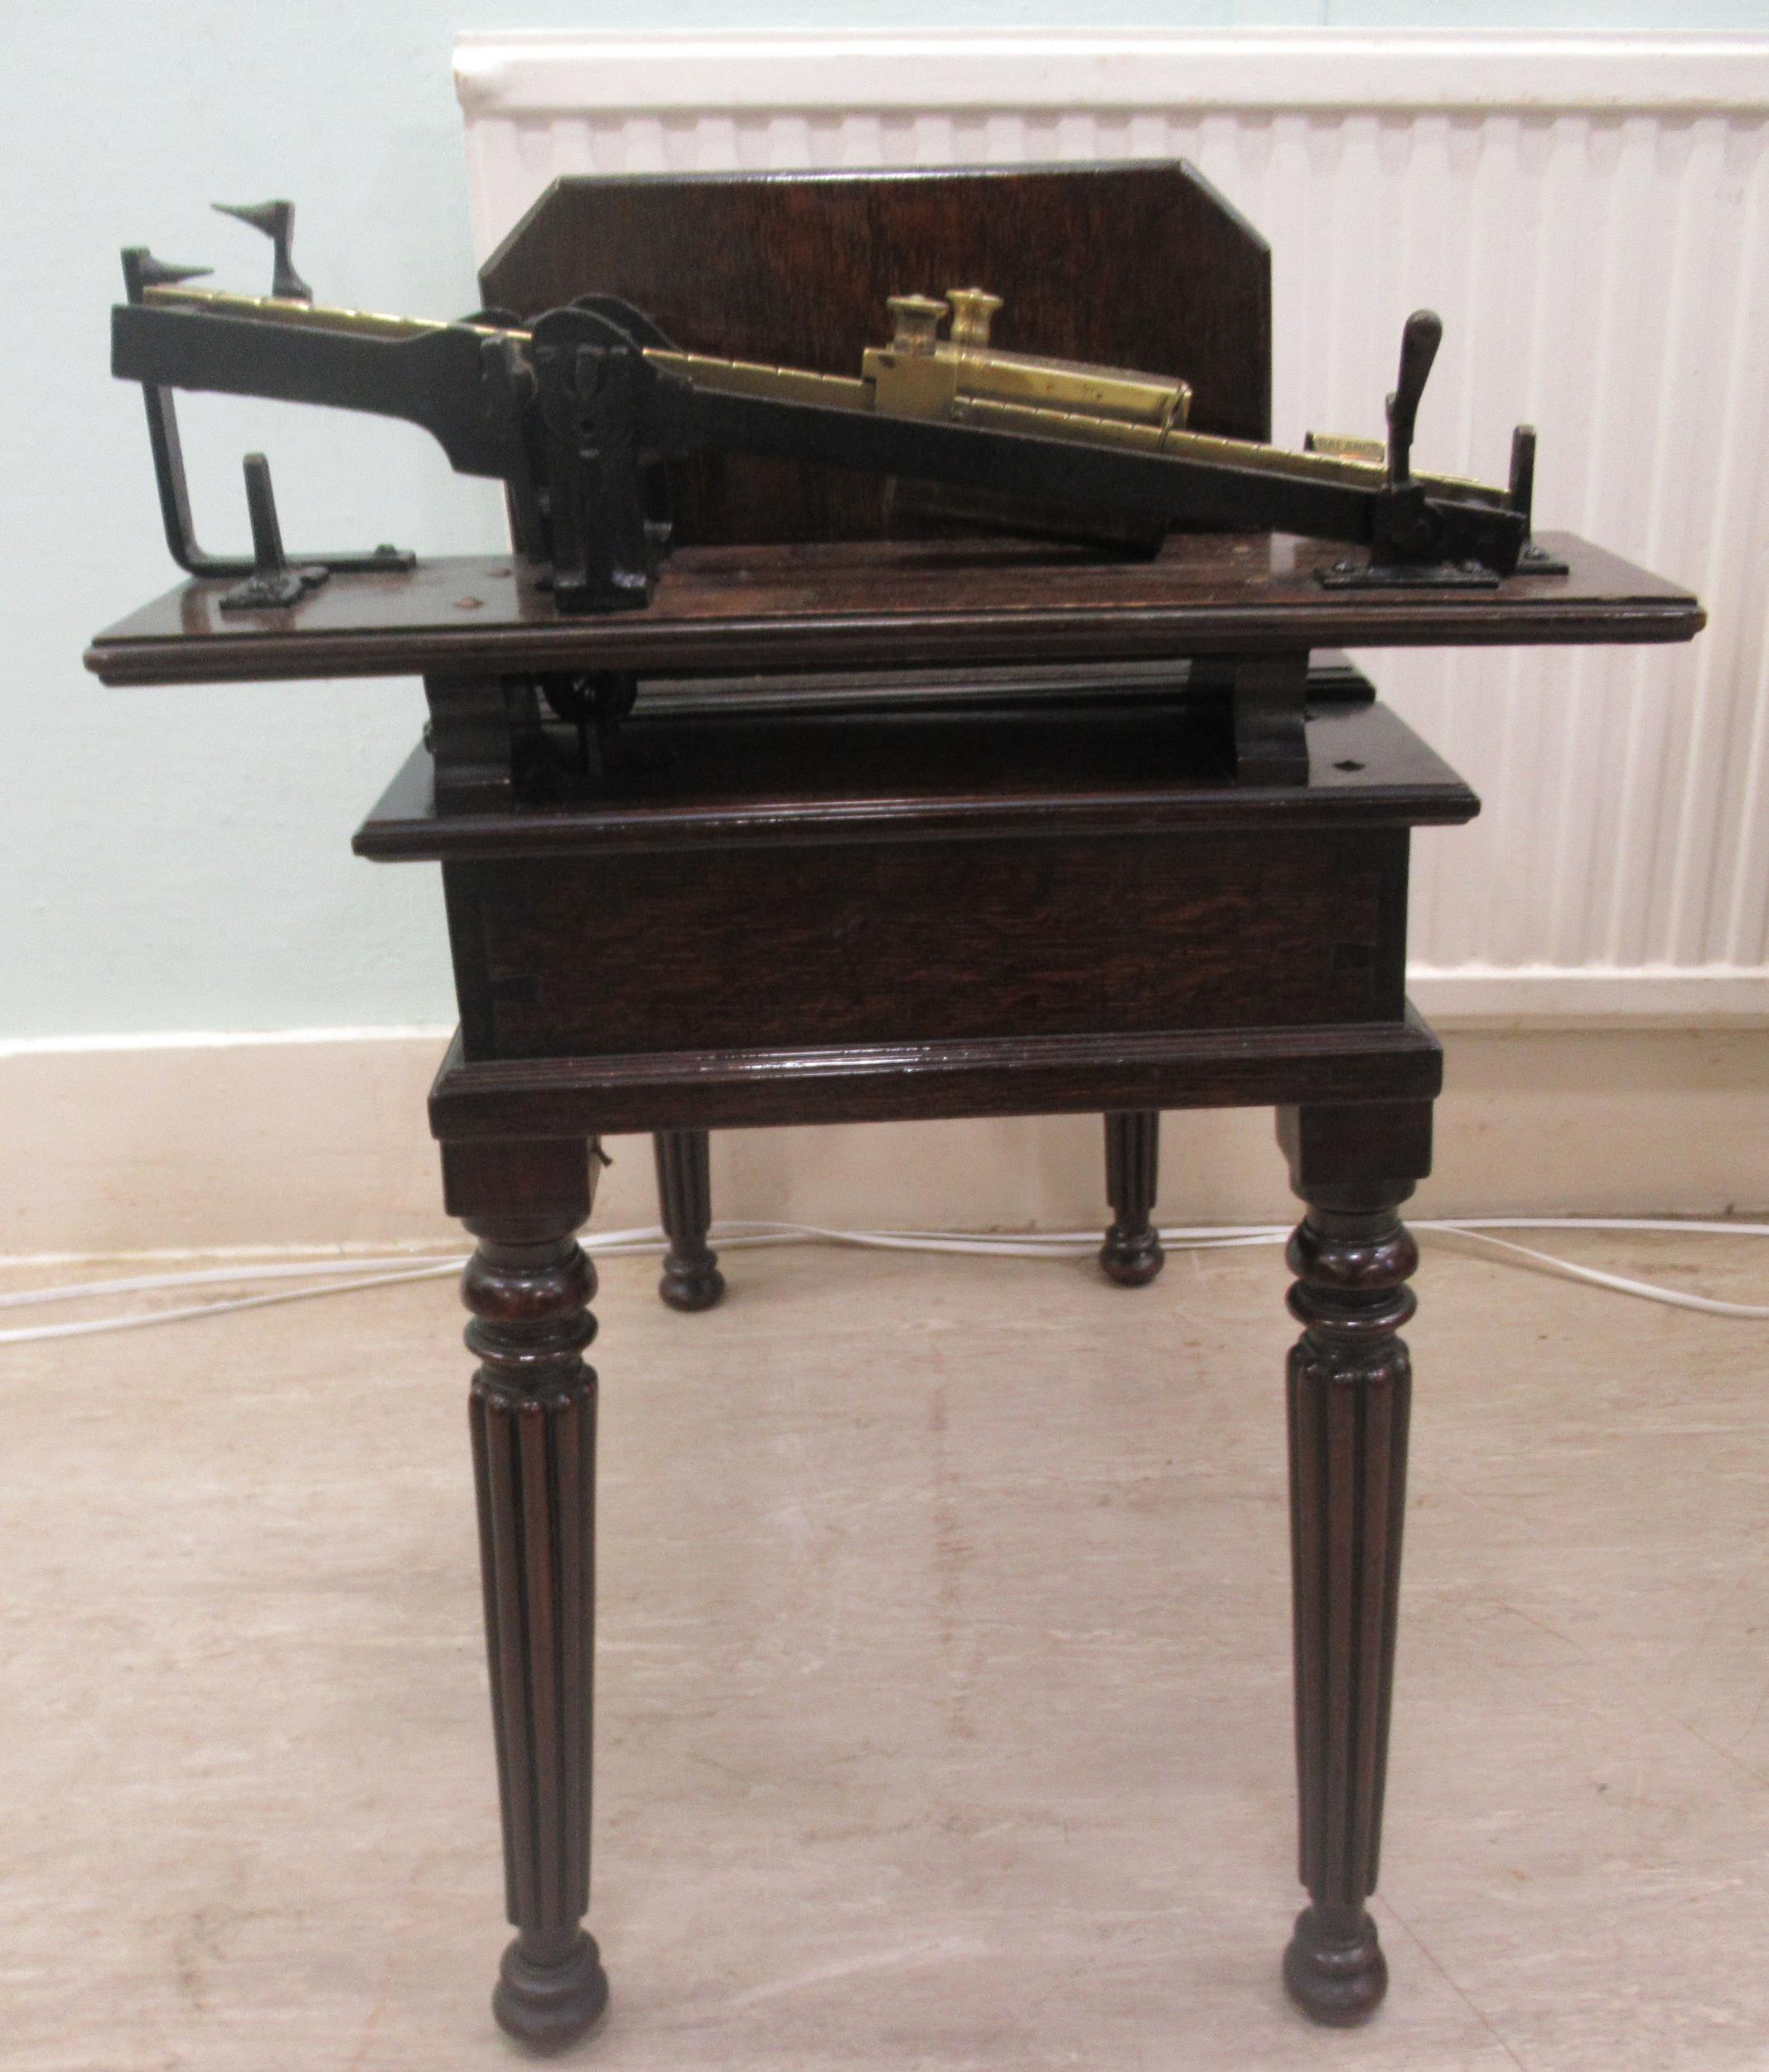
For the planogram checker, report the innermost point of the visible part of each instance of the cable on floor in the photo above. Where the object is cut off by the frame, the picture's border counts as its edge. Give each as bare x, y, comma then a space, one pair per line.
346, 1276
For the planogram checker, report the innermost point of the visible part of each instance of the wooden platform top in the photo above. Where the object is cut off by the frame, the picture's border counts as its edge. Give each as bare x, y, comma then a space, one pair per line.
716, 783
881, 604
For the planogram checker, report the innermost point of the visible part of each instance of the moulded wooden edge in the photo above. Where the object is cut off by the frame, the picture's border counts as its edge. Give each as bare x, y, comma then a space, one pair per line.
402, 828
705, 1090
862, 639
1267, 622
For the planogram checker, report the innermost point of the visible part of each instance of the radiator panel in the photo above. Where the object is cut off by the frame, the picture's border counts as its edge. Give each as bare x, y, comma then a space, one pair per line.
1591, 217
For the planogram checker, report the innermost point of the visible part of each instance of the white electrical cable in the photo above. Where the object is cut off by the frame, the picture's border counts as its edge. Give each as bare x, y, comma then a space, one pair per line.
1621, 1284
344, 1276
139, 1318
213, 1276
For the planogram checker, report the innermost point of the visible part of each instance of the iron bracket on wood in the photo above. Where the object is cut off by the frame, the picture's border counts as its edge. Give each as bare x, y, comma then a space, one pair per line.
1267, 709
142, 270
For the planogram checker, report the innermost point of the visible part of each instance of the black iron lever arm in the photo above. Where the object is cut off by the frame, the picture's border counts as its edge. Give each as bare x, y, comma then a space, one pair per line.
436, 379
1418, 348
566, 415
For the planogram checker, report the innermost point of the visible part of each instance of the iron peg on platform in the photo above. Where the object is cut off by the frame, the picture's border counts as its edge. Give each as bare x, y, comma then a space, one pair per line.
1532, 559
274, 582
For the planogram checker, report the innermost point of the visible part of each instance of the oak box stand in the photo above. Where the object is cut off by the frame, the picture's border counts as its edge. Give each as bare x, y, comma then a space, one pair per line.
914, 828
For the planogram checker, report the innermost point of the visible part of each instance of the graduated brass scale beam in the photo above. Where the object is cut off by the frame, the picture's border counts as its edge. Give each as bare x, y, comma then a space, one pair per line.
575, 413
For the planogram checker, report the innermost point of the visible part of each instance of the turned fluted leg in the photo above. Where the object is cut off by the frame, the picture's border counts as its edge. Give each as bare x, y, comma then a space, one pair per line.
533, 1417
1350, 1385
691, 1278
1132, 1254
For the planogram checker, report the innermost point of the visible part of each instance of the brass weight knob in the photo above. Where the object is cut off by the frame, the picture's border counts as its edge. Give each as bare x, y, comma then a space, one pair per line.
973, 309
915, 321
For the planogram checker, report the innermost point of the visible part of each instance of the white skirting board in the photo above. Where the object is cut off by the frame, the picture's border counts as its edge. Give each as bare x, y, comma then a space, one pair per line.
319, 1137
1590, 214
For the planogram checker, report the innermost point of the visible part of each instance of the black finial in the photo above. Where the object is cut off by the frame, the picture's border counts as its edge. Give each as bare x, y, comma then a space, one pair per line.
277, 221
141, 270
159, 272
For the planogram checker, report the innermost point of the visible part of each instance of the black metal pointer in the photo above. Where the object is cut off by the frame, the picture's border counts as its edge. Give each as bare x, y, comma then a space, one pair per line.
277, 221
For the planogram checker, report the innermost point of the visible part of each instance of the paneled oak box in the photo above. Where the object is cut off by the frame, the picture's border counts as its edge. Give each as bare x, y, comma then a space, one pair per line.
955, 876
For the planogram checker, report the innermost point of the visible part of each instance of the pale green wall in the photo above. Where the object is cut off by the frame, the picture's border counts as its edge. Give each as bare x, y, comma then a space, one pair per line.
179, 859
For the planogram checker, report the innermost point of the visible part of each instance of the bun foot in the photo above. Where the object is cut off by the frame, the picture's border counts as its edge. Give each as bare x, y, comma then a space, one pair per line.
1132, 1254
548, 2006
1131, 1259
1339, 1975
692, 1280
689, 1284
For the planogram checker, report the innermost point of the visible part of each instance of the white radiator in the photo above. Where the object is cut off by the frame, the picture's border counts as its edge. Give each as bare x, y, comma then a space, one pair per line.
1591, 216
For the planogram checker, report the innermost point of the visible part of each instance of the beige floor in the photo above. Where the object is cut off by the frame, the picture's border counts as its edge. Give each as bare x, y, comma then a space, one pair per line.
944, 1688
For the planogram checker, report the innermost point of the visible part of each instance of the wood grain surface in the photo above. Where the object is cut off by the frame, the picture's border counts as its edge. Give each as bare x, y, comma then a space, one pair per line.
881, 604
1132, 265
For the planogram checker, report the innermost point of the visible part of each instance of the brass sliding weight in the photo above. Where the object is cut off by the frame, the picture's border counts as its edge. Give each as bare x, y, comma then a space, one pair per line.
973, 309
915, 322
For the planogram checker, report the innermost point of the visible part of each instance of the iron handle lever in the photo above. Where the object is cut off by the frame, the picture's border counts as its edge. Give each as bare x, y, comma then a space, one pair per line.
1418, 348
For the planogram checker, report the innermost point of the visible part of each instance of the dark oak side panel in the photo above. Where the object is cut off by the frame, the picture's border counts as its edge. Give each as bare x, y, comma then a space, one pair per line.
884, 942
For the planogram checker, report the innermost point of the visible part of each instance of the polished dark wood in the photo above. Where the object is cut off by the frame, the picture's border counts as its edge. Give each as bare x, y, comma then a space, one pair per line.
1350, 1386
1139, 265
815, 1082
882, 604
919, 912
533, 1423
691, 1278
712, 783
1132, 1254
1075, 878
1054, 937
